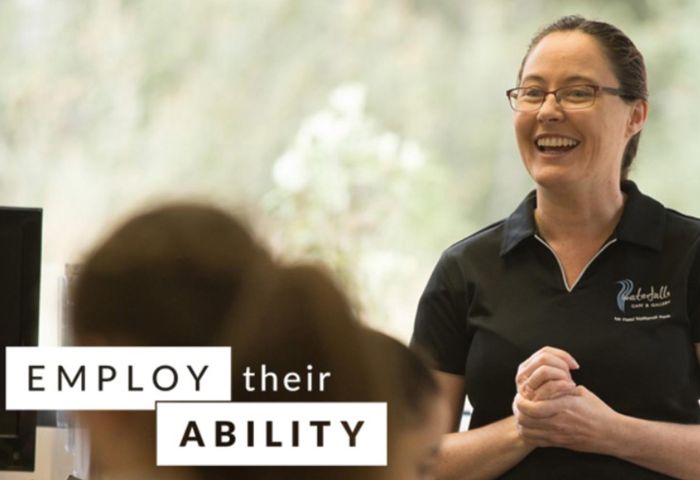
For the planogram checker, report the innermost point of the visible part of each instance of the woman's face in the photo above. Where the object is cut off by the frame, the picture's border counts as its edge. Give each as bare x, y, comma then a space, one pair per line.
600, 132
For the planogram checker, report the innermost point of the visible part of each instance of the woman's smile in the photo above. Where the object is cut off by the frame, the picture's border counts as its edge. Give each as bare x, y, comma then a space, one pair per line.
555, 145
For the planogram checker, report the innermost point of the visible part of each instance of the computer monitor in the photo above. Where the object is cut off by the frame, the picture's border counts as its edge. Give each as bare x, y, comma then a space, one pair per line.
20, 267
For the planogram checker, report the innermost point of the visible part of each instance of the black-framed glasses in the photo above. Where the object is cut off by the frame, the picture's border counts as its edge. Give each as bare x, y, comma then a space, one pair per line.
571, 97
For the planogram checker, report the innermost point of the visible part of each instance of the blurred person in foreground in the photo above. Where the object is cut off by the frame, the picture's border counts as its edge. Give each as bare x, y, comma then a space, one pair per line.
419, 414
191, 275
574, 324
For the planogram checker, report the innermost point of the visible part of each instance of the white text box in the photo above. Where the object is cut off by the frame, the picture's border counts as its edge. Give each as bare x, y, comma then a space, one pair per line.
276, 433
114, 378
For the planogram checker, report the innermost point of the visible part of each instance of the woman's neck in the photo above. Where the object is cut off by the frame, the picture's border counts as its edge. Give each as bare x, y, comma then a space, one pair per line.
587, 215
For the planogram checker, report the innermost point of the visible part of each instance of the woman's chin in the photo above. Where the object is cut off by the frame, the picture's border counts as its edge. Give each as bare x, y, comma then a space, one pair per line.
554, 176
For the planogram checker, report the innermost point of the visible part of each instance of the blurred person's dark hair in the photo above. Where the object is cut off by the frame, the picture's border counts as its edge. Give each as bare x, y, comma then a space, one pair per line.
301, 319
166, 277
190, 274
625, 59
409, 375
418, 414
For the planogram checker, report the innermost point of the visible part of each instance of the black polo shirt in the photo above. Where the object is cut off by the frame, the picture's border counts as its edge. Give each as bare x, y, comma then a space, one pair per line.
630, 320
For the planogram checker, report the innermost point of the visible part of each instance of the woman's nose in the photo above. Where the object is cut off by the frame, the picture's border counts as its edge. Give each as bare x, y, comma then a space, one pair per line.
550, 110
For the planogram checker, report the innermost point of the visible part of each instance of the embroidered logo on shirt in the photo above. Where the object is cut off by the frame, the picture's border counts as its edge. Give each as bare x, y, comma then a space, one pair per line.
644, 299
626, 287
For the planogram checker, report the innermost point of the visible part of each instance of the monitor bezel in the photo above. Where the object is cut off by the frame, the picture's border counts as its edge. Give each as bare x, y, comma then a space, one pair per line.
17, 453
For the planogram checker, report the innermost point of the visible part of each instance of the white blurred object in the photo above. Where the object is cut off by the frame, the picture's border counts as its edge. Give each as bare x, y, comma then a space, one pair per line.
53, 462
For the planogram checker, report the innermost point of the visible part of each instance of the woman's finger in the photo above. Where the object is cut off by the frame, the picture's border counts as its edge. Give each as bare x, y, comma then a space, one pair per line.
545, 356
538, 409
551, 390
546, 374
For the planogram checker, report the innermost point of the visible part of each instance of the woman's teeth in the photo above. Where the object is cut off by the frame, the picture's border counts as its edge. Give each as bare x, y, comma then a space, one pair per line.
560, 144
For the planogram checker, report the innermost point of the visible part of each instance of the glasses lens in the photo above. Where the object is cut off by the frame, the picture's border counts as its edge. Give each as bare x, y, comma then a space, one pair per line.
577, 96
526, 98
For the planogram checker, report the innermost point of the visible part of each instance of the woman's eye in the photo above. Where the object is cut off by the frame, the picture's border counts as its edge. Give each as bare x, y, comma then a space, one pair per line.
532, 93
578, 93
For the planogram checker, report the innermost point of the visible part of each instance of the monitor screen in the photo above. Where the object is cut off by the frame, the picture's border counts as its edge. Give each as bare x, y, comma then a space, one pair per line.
20, 266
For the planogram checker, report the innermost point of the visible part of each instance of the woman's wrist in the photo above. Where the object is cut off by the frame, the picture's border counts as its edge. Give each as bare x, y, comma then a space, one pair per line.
619, 439
517, 440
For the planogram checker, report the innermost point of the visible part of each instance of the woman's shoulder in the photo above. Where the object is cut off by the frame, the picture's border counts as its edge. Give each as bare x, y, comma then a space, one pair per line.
683, 219
484, 242
683, 235
682, 225
649, 222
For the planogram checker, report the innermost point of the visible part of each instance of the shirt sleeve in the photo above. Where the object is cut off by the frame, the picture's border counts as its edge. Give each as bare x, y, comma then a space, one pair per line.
440, 328
693, 295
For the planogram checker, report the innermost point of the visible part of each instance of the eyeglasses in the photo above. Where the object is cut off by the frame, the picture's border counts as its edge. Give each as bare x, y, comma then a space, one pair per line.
572, 97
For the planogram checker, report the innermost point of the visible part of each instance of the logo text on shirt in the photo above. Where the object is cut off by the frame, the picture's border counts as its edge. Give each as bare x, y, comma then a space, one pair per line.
645, 299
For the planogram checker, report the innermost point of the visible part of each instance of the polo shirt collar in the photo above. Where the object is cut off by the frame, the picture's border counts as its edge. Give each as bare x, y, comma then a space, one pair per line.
643, 221
520, 224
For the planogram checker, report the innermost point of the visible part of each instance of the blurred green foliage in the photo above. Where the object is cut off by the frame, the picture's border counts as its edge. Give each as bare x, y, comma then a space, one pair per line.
108, 105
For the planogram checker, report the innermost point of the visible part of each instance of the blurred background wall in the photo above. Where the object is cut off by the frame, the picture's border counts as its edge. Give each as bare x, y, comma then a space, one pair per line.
368, 135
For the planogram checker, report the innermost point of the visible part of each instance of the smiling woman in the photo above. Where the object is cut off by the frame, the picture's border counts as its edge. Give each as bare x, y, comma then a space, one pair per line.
542, 318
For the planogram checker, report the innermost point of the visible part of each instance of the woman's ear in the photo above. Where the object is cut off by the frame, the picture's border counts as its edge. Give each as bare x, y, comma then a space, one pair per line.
637, 117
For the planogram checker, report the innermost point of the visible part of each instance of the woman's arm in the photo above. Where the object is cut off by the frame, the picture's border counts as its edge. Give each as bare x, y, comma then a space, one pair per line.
482, 453
665, 447
585, 423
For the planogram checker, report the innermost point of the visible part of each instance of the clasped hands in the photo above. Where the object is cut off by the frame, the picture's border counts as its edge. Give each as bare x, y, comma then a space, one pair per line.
552, 411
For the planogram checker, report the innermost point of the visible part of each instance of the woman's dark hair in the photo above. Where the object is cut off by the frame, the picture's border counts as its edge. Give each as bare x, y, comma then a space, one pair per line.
626, 60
